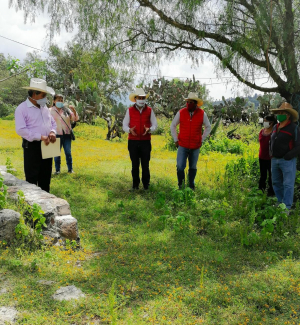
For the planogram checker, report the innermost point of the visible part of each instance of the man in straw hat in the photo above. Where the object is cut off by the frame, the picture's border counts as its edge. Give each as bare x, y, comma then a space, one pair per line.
189, 140
285, 147
139, 122
34, 124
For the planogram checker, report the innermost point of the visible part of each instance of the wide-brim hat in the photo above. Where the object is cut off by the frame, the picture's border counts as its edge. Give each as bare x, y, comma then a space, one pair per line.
194, 96
40, 85
287, 108
137, 92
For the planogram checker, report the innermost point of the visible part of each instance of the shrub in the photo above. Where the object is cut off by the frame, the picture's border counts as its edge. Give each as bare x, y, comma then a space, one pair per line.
9, 117
6, 109
243, 167
224, 145
170, 144
162, 126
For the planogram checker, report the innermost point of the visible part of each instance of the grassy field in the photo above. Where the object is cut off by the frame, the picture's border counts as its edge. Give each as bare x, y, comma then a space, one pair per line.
158, 257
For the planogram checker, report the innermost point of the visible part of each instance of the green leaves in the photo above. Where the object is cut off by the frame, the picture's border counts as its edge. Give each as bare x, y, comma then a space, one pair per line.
35, 68
32, 222
3, 194
179, 223
152, 25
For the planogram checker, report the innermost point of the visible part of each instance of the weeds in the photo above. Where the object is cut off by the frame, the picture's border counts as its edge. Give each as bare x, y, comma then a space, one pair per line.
32, 222
179, 223
224, 145
9, 166
216, 267
112, 301
3, 194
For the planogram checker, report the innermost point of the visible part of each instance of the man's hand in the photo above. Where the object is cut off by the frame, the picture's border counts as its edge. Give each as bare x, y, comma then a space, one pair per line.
45, 139
176, 144
52, 137
147, 130
132, 131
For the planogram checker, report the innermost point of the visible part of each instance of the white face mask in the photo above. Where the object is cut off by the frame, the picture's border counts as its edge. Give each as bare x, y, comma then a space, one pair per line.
141, 102
266, 125
42, 101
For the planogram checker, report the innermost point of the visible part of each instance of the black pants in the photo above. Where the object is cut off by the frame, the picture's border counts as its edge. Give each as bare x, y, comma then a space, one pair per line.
140, 152
37, 170
265, 169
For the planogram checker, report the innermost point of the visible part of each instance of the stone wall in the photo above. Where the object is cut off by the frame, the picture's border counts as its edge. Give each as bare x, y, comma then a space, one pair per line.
61, 224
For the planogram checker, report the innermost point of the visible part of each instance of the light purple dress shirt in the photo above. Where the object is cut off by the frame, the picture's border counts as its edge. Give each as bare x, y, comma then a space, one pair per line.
33, 122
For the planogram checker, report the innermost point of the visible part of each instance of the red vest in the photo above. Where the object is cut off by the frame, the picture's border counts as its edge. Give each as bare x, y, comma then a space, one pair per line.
190, 128
139, 120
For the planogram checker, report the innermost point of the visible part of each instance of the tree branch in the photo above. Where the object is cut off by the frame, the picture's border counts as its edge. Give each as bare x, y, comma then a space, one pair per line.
217, 37
16, 74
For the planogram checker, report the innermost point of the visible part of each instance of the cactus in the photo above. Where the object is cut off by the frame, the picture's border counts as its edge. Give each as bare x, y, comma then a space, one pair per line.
90, 104
236, 110
167, 97
267, 102
215, 127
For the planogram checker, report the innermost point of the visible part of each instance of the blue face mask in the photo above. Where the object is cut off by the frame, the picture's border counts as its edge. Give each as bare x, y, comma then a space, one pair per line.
59, 104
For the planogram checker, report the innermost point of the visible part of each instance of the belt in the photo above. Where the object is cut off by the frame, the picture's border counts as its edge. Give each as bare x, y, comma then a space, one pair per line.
26, 144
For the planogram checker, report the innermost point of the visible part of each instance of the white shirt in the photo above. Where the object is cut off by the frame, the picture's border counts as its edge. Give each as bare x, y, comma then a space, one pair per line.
126, 120
176, 121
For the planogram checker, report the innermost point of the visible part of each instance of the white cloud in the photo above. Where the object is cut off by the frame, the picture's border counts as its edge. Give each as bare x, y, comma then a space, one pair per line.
34, 34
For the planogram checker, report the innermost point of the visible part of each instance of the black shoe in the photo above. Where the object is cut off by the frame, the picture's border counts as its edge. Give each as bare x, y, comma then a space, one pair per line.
133, 189
57, 173
146, 188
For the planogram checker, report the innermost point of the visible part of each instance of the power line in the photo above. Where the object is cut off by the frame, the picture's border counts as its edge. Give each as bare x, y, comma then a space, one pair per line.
151, 75
24, 44
154, 75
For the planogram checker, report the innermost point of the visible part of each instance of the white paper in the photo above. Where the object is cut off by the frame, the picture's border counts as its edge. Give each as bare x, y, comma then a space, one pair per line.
52, 150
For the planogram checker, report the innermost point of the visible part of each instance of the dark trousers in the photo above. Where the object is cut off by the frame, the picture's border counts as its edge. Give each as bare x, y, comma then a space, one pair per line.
140, 152
265, 169
65, 141
37, 170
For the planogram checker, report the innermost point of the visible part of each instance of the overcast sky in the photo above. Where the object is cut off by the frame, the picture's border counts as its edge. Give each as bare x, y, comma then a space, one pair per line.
34, 34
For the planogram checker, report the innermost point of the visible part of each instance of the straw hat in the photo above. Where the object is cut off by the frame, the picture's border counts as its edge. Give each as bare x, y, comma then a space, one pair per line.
194, 96
137, 92
40, 85
289, 109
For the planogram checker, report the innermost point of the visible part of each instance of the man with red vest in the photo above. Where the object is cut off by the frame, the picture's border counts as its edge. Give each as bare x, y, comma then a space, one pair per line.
189, 140
139, 122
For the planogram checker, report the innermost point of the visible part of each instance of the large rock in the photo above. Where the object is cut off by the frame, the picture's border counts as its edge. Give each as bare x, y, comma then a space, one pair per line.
66, 226
68, 293
50, 204
60, 223
9, 219
8, 315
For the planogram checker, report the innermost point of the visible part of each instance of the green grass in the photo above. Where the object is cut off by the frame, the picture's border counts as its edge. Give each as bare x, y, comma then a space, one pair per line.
134, 266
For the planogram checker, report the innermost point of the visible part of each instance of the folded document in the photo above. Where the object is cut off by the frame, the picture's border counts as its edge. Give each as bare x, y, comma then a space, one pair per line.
52, 150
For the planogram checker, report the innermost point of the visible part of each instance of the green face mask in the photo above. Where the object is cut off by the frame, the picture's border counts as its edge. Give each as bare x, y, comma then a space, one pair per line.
281, 117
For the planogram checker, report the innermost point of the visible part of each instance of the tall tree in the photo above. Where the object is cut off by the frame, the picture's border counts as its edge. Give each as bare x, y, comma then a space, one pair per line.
250, 38
11, 90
